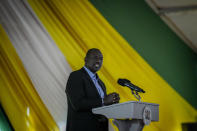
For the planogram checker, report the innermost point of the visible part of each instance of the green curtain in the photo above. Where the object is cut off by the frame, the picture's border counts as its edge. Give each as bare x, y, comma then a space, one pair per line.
4, 122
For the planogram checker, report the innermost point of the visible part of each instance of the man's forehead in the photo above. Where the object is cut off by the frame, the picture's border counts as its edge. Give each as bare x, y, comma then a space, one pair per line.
96, 53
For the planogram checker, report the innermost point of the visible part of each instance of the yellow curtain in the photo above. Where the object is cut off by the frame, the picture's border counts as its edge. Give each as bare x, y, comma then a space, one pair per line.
76, 26
18, 97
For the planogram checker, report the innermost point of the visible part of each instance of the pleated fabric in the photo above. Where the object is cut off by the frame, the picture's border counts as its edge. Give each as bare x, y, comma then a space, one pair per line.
77, 26
18, 97
45, 64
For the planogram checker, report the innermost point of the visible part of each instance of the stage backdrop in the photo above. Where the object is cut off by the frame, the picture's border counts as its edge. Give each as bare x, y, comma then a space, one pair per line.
43, 41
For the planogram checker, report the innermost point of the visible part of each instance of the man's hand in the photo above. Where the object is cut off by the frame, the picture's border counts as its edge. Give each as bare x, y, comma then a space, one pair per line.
111, 99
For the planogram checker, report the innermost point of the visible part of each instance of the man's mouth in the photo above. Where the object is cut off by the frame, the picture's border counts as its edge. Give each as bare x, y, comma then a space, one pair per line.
97, 65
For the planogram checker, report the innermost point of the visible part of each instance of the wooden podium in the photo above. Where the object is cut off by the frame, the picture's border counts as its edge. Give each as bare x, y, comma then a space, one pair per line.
131, 115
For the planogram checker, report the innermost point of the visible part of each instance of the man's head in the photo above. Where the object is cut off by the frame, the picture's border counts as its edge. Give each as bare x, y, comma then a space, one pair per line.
94, 60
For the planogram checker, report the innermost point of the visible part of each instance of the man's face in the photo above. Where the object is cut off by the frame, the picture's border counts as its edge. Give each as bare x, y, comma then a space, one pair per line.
94, 61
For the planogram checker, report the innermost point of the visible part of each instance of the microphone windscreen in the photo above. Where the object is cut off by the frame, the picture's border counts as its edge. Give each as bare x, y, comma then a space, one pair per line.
126, 81
121, 82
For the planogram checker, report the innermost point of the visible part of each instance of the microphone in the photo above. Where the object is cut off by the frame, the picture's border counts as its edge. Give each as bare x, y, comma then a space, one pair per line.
125, 82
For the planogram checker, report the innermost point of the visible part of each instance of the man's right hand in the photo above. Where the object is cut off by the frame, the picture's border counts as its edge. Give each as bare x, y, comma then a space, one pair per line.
112, 98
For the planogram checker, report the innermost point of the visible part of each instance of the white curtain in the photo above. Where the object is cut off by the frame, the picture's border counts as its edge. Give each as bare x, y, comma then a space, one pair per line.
43, 61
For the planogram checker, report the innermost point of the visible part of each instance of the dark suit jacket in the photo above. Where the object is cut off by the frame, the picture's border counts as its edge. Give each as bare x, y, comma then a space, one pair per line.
82, 96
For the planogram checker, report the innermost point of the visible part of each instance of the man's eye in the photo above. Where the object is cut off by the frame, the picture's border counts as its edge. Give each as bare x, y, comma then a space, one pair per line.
99, 57
96, 58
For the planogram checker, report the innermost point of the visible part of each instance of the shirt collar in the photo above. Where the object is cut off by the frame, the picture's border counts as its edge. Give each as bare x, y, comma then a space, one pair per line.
91, 74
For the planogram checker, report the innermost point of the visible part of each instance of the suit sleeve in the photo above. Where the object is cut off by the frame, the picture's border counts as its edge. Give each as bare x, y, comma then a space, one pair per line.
76, 94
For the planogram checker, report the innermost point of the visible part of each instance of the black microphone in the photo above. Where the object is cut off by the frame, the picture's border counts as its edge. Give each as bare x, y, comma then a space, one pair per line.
125, 82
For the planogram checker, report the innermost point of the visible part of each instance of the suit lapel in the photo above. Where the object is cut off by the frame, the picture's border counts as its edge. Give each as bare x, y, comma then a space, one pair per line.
91, 82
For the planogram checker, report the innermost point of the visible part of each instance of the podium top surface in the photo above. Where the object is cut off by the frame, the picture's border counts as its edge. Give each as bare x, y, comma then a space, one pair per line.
127, 110
128, 102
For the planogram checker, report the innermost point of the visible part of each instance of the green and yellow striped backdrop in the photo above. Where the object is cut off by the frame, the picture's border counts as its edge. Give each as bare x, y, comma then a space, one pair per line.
75, 26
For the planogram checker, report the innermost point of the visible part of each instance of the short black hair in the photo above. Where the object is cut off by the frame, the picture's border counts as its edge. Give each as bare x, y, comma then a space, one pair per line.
90, 51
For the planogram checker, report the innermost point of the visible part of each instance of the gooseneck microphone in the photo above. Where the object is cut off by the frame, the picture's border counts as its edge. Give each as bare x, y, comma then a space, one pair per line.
127, 83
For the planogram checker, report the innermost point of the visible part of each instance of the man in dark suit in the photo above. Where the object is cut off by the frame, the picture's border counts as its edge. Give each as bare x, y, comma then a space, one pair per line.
86, 91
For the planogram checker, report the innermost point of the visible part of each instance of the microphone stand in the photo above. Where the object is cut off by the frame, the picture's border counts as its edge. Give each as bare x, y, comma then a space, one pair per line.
137, 96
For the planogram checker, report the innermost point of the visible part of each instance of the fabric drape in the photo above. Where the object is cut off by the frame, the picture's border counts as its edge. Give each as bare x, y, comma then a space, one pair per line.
46, 66
77, 26
18, 96
35, 69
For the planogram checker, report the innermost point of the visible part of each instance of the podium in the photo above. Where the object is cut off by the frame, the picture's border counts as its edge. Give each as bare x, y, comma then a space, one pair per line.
131, 115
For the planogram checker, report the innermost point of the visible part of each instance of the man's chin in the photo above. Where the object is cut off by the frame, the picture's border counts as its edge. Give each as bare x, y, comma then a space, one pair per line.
95, 70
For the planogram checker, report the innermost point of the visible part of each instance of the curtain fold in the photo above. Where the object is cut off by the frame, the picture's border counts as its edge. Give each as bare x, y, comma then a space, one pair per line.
18, 96
43, 61
77, 26
34, 69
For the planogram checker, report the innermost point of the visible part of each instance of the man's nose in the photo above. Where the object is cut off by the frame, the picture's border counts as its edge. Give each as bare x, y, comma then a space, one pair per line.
99, 60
